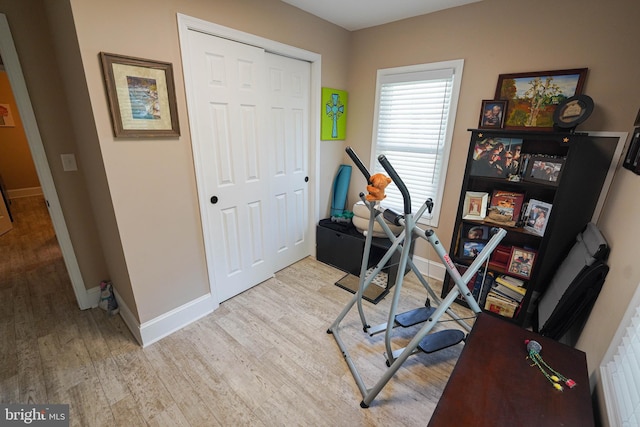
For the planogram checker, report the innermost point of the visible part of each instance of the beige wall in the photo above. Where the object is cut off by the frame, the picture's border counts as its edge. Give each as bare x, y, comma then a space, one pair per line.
503, 36
64, 39
152, 181
32, 36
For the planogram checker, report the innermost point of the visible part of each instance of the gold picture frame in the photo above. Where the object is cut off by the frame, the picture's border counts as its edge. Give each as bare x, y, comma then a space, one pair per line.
142, 97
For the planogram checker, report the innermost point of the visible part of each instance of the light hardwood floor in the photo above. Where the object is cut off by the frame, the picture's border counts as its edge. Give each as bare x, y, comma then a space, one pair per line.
262, 359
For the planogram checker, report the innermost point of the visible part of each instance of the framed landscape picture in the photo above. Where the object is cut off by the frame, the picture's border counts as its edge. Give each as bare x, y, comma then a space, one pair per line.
532, 97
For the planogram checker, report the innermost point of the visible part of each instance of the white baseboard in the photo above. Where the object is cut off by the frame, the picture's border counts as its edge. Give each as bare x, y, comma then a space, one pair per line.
429, 268
167, 323
17, 193
176, 319
91, 299
129, 319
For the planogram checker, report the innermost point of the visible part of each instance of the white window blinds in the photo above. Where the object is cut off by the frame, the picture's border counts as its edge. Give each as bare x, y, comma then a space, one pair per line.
620, 370
415, 114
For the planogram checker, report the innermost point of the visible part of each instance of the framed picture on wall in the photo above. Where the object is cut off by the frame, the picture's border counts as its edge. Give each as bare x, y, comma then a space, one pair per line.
333, 122
142, 97
6, 117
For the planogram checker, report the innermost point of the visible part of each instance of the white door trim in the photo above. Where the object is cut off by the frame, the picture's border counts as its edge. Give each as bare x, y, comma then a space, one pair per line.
188, 23
19, 88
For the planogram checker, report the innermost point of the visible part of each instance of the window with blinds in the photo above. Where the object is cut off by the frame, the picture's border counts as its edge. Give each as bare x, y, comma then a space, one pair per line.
415, 115
620, 370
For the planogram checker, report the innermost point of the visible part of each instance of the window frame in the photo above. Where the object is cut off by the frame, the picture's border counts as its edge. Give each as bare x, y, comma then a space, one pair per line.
457, 67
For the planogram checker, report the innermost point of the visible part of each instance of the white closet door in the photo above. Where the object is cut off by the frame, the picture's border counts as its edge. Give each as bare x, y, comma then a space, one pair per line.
231, 160
288, 123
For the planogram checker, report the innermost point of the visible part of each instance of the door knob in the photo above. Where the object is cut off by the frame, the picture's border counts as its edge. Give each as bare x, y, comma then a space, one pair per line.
306, 179
214, 200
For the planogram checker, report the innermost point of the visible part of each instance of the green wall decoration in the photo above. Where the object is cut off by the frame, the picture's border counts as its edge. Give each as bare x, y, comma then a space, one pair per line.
334, 114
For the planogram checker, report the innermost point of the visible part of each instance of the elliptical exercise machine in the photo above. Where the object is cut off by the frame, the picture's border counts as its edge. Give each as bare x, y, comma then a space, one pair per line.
423, 340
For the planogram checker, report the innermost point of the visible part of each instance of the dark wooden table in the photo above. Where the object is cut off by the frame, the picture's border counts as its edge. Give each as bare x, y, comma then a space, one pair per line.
493, 383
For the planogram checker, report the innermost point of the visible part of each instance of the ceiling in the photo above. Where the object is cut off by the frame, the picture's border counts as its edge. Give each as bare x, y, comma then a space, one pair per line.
358, 14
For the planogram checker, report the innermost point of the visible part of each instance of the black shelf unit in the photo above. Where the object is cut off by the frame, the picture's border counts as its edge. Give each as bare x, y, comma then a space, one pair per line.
573, 197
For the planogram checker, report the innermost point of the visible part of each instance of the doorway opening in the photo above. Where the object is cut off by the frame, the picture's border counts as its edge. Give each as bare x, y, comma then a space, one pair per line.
30, 126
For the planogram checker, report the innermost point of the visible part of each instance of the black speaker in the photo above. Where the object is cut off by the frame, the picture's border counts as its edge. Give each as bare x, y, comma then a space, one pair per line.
632, 159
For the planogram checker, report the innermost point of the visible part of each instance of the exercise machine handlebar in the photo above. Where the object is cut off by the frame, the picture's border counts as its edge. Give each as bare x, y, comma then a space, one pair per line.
396, 179
358, 163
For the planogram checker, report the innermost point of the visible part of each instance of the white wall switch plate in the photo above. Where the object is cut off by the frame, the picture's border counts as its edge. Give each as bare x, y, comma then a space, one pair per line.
69, 162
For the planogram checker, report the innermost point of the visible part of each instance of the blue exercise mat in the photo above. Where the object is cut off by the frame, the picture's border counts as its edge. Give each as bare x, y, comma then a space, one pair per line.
340, 190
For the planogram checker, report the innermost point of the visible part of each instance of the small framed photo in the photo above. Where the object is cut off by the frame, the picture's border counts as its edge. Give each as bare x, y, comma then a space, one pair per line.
475, 232
492, 114
469, 249
521, 262
475, 205
6, 117
537, 216
142, 97
545, 170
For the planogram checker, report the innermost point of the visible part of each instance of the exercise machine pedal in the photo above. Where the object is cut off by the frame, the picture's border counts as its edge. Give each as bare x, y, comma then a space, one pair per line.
440, 340
414, 317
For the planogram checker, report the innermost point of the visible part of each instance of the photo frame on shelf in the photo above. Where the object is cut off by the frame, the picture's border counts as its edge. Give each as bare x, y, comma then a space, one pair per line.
492, 114
475, 205
475, 232
469, 249
532, 97
141, 95
537, 216
504, 208
496, 157
521, 262
544, 169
